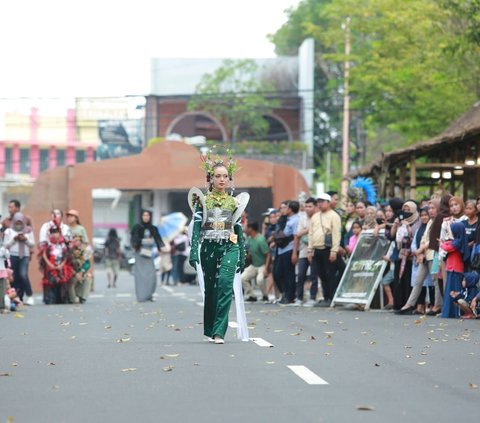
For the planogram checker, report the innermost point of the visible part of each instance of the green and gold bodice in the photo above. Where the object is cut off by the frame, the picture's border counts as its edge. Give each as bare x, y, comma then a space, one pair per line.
221, 200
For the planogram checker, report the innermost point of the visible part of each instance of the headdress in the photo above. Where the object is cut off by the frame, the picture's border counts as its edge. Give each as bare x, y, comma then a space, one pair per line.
210, 164
362, 189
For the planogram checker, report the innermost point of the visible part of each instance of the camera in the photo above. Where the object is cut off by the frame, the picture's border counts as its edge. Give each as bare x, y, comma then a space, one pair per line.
380, 221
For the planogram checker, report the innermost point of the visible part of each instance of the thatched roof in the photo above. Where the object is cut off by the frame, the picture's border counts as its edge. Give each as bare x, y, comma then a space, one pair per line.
466, 126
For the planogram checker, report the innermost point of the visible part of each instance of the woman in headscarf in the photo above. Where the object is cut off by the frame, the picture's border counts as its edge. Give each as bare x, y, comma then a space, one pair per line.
458, 254
146, 242
19, 240
403, 230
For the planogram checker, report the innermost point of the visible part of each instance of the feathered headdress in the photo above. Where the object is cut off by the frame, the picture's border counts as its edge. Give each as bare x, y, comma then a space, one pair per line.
362, 189
210, 164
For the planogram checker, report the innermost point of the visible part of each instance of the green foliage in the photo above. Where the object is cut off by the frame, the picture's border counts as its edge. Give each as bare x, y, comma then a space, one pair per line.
260, 147
235, 93
414, 66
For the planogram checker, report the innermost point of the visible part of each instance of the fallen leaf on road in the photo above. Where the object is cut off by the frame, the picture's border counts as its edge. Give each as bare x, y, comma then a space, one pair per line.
129, 369
177, 330
196, 364
19, 315
162, 357
168, 368
5, 374
51, 364
289, 353
422, 363
14, 364
365, 408
65, 324
55, 387
323, 321
278, 330
73, 337
312, 338
473, 385
377, 365
295, 334
172, 355
270, 362
373, 342
107, 327
329, 332
123, 340
82, 324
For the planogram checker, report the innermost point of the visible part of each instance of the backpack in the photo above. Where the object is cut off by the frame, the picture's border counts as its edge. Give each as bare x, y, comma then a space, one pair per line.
280, 239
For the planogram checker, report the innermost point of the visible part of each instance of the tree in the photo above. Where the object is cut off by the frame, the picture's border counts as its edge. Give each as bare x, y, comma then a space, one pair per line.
236, 93
414, 67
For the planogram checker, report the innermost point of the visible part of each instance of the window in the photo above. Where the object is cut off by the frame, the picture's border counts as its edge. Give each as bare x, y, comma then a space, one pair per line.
8, 160
24, 161
60, 157
44, 160
80, 156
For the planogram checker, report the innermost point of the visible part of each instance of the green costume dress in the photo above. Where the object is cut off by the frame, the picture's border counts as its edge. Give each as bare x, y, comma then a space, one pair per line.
218, 253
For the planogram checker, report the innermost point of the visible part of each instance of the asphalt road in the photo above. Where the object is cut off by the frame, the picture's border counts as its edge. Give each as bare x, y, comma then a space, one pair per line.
114, 360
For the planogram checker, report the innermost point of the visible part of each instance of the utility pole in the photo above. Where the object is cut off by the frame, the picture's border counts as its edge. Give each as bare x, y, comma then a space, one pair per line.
346, 114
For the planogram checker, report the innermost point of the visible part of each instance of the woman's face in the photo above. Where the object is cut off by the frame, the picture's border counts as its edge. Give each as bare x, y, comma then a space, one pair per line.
432, 210
389, 212
380, 215
145, 217
356, 228
350, 208
18, 225
478, 206
220, 178
370, 213
455, 208
406, 208
360, 209
470, 210
424, 218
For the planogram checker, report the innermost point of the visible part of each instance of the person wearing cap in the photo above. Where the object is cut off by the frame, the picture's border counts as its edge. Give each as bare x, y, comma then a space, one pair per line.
76, 229
322, 253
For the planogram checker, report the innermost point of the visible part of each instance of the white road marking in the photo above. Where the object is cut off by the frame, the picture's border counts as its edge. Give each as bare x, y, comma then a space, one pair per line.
261, 342
233, 325
307, 375
123, 295
97, 295
168, 289
191, 300
178, 294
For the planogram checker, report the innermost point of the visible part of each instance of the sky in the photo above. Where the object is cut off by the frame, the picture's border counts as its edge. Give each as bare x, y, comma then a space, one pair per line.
60, 48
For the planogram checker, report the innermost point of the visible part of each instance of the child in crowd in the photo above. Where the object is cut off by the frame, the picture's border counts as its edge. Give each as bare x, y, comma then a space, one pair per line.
464, 298
4, 275
56, 271
352, 241
457, 254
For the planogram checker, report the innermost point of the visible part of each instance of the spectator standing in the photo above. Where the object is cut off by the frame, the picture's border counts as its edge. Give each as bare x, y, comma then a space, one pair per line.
260, 263
323, 245
14, 206
19, 240
80, 285
146, 242
300, 255
286, 264
113, 255
179, 255
270, 228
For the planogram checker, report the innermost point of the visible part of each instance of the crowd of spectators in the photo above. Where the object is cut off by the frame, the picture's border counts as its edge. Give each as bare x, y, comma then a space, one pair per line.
298, 254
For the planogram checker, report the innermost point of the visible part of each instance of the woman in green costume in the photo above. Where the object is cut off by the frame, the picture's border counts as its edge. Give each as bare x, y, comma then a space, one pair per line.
218, 251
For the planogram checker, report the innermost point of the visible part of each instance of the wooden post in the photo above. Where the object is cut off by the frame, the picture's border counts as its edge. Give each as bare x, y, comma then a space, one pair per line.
413, 178
391, 183
403, 174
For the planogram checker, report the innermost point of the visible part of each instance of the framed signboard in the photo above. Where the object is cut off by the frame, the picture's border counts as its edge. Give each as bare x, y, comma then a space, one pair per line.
364, 270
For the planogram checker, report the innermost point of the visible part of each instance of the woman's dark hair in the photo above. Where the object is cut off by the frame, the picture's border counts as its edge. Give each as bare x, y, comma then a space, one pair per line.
437, 222
112, 233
